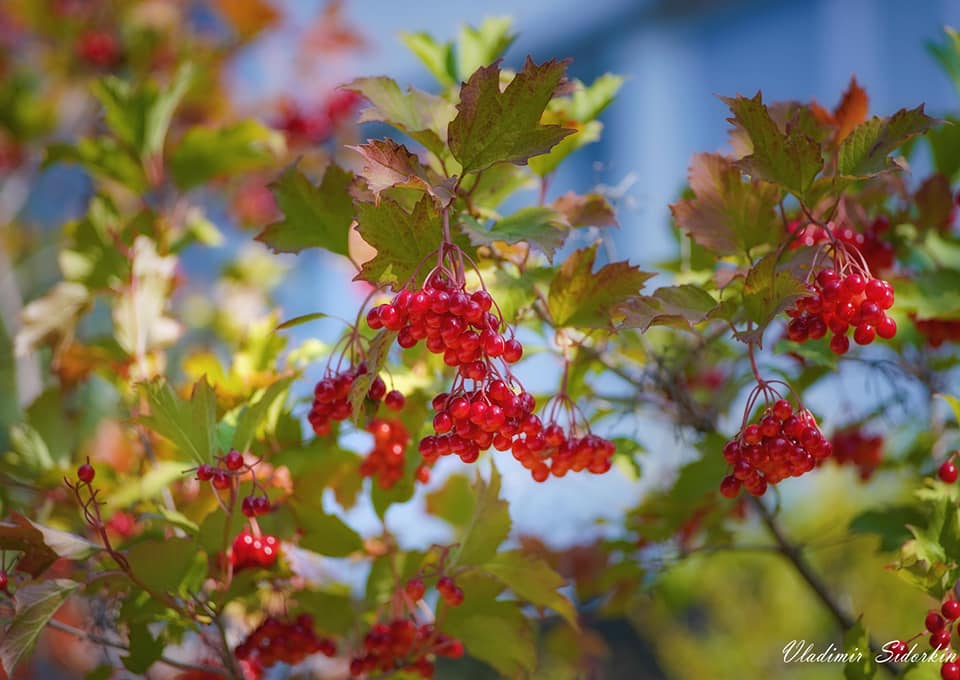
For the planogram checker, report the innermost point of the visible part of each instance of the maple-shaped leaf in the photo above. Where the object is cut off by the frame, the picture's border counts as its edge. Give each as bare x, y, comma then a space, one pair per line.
388, 164
402, 239
495, 126
851, 111
728, 215
790, 157
678, 306
313, 216
189, 423
422, 116
586, 210
583, 298
865, 152
488, 527
34, 604
537, 226
769, 288
41, 546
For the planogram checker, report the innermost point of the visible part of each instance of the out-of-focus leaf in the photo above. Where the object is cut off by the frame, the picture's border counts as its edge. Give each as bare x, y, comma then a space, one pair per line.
206, 153
51, 317
189, 424
678, 306
488, 527
453, 502
856, 644
533, 581
145, 650
480, 46
253, 415
139, 314
538, 226
587, 210
41, 546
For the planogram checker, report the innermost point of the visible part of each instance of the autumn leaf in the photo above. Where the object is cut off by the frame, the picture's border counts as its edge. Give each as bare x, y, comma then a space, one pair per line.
865, 152
402, 239
678, 306
388, 164
583, 298
493, 126
851, 111
728, 215
586, 210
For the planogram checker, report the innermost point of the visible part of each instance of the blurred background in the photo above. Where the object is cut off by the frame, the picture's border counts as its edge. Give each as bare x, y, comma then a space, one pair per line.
726, 611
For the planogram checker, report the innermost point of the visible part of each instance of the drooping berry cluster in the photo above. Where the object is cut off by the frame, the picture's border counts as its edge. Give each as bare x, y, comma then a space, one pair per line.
853, 446
840, 302
254, 551
401, 644
386, 461
784, 442
457, 324
290, 642
470, 421
551, 450
939, 624
877, 252
937, 331
331, 398
229, 467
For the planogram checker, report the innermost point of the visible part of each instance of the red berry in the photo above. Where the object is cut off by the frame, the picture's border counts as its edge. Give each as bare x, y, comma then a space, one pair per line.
4, 580
86, 473
950, 671
415, 589
950, 609
394, 400
730, 486
886, 327
864, 334
839, 344
221, 480
205, 473
940, 639
445, 584
948, 472
454, 597
934, 622
233, 460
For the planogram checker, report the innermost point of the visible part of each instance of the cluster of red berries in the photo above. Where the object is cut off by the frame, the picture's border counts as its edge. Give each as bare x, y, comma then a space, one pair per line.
386, 461
254, 551
551, 450
317, 124
451, 593
852, 446
937, 331
839, 303
331, 398
401, 644
783, 443
948, 470
4, 582
275, 641
878, 253
454, 323
99, 48
221, 477
939, 625
468, 422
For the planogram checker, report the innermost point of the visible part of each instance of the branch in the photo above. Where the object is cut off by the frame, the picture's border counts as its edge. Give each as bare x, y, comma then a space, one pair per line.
795, 556
107, 642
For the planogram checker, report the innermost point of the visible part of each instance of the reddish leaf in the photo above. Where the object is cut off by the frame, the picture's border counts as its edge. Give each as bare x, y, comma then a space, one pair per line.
41, 546
727, 215
389, 164
934, 203
851, 111
586, 210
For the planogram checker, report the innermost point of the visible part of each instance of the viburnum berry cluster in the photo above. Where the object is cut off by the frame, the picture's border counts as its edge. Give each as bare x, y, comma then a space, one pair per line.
937, 331
843, 299
402, 644
251, 550
784, 441
877, 251
939, 624
386, 460
290, 642
855, 447
331, 397
230, 467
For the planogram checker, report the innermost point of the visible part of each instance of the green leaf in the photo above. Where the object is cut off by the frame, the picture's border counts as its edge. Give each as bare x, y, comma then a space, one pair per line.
945, 146
587, 210
403, 240
493, 631
533, 581
789, 158
583, 135
954, 405
140, 115
302, 319
948, 54
256, 412
10, 406
206, 153
388, 164
727, 215
41, 545
145, 486
162, 564
92, 257
453, 502
214, 531
189, 424
478, 47
856, 643
422, 116
313, 216
583, 298
488, 527
376, 357
588, 102
770, 288
102, 157
890, 524
34, 605
438, 59
493, 126
325, 534
865, 152
678, 306
540, 226
333, 613
145, 650
52, 317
